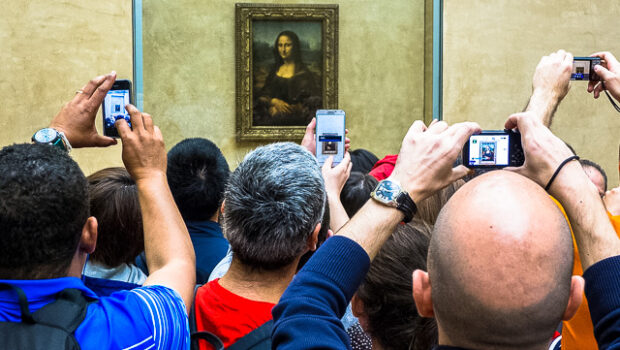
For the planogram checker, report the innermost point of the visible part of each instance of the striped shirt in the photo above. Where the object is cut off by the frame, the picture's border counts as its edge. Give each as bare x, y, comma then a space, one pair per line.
151, 317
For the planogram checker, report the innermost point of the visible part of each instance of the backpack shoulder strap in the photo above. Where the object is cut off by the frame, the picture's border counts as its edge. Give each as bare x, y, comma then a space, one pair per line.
66, 313
197, 335
192, 312
258, 339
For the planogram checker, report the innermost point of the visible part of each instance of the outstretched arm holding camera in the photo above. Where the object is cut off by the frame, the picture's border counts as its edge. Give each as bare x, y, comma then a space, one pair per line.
550, 85
598, 244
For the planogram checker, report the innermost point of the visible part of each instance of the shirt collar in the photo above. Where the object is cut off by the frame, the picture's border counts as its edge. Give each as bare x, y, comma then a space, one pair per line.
206, 226
44, 290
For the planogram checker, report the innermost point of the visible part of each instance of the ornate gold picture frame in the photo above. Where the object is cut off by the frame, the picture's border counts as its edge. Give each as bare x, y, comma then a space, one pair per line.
286, 67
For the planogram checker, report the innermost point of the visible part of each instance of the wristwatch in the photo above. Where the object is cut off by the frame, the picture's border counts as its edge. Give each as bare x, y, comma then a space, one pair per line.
389, 192
52, 137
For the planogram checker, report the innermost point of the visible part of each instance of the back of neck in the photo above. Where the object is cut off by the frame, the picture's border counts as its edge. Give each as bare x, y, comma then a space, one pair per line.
259, 285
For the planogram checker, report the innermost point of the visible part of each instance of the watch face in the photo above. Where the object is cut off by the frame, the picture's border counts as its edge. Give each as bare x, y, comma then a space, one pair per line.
387, 190
46, 135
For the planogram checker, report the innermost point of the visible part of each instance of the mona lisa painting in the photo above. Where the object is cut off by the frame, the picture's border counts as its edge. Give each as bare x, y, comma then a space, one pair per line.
286, 68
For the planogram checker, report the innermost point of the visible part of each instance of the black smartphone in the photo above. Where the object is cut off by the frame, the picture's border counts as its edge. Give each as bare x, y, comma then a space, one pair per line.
583, 68
114, 106
493, 149
330, 135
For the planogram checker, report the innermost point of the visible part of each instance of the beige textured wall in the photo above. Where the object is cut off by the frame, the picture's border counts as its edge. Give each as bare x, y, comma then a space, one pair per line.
189, 70
49, 50
491, 49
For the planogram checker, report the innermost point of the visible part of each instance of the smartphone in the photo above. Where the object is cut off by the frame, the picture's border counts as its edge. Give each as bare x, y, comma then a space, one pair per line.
114, 106
493, 149
330, 135
583, 68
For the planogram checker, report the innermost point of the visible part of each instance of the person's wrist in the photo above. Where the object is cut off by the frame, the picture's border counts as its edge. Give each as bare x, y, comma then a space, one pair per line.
416, 191
149, 177
333, 195
60, 128
546, 94
570, 181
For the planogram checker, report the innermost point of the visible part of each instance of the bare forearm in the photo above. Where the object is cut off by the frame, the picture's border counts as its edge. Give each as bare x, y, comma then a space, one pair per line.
544, 105
338, 216
595, 236
165, 236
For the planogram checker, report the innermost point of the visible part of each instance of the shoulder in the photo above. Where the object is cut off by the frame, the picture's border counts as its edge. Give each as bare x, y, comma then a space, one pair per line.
146, 316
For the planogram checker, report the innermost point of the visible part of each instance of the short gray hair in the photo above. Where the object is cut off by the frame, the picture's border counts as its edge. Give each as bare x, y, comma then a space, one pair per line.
274, 200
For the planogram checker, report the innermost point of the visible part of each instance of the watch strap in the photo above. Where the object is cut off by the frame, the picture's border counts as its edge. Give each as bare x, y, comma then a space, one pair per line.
407, 206
65, 141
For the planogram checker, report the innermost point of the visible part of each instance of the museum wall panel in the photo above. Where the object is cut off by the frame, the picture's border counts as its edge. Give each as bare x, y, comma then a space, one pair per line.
491, 49
189, 70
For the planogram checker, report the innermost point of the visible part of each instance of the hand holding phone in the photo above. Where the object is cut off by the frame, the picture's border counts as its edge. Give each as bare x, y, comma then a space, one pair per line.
113, 106
493, 149
330, 135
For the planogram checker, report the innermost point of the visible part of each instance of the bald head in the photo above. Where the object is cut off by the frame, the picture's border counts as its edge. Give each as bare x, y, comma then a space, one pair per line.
500, 263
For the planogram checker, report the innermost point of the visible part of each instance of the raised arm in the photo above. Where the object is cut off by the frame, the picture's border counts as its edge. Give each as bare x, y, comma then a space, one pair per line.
424, 166
167, 245
550, 85
544, 153
335, 178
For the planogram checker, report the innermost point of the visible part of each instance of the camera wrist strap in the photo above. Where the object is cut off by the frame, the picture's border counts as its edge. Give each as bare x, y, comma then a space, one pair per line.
609, 97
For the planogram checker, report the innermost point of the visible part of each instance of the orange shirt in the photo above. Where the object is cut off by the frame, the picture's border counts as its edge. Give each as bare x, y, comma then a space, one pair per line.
578, 332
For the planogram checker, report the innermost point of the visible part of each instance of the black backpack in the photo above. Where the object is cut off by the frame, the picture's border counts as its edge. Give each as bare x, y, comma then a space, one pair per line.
258, 339
50, 327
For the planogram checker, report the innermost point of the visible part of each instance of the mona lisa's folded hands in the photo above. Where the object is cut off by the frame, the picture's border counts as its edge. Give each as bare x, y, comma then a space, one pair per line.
309, 140
279, 107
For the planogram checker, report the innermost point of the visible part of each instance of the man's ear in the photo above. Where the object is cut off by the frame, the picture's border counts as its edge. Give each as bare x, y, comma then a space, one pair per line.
313, 240
422, 293
576, 297
88, 240
357, 308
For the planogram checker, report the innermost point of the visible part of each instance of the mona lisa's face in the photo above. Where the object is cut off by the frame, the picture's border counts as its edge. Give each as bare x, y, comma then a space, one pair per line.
285, 47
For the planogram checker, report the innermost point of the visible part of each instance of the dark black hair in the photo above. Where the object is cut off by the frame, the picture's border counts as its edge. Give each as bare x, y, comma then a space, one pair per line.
393, 318
589, 163
197, 176
114, 202
356, 191
43, 208
321, 238
295, 53
363, 160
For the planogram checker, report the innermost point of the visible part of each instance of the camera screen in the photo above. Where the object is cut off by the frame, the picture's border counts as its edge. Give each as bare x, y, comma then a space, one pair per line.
581, 70
114, 107
330, 136
489, 150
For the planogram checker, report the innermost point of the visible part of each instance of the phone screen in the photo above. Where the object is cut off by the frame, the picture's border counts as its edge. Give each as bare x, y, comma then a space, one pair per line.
330, 135
114, 107
583, 68
489, 150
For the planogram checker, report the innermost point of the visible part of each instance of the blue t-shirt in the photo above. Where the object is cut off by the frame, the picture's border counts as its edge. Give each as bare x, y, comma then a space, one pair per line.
151, 317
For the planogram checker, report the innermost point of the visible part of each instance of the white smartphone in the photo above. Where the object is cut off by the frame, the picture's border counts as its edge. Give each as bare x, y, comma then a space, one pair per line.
330, 135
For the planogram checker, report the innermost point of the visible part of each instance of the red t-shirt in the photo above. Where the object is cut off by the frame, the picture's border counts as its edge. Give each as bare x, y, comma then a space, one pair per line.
384, 167
228, 315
